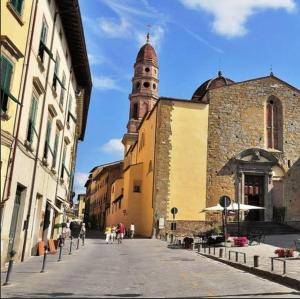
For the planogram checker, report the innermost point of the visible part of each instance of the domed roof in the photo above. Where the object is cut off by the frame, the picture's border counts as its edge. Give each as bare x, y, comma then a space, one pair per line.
210, 84
146, 52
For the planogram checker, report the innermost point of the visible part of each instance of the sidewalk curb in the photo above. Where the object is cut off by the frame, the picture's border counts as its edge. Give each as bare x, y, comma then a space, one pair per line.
284, 280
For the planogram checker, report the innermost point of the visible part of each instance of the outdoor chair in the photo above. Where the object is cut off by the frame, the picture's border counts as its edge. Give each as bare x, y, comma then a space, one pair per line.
297, 244
256, 236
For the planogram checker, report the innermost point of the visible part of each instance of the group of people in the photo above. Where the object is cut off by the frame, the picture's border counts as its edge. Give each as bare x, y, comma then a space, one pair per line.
117, 232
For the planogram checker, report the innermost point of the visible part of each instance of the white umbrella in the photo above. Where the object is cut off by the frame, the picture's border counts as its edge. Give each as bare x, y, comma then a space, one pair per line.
233, 207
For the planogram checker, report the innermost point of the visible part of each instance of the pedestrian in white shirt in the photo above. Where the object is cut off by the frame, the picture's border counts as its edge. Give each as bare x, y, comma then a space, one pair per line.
132, 230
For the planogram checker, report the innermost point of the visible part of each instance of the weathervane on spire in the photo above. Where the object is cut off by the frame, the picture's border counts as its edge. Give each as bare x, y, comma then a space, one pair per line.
271, 70
148, 34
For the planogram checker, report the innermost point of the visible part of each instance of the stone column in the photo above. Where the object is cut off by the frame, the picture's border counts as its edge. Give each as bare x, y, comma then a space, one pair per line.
268, 197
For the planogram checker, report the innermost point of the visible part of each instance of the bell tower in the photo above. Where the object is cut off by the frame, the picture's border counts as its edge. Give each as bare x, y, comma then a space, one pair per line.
144, 92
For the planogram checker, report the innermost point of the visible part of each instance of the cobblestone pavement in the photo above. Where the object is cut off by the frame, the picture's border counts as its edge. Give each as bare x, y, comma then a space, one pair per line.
266, 250
135, 268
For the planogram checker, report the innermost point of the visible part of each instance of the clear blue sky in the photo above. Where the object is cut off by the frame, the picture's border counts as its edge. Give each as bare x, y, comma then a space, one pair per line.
193, 40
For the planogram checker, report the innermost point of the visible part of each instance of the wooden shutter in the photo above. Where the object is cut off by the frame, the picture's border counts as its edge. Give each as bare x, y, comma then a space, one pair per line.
18, 5
6, 72
55, 148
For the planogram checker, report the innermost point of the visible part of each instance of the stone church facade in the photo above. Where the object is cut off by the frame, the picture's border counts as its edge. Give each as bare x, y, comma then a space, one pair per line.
240, 139
254, 147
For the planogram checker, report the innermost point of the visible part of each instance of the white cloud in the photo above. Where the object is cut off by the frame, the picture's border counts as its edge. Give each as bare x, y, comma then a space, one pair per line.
230, 16
113, 146
105, 83
130, 22
95, 59
79, 182
113, 27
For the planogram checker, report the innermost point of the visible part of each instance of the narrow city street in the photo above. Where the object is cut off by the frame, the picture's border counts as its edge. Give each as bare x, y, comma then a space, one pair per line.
135, 268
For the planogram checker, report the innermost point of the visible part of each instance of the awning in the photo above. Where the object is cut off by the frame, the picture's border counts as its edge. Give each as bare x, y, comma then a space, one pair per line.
54, 207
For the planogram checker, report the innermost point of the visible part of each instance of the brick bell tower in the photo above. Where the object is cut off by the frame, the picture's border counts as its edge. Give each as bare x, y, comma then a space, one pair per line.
144, 91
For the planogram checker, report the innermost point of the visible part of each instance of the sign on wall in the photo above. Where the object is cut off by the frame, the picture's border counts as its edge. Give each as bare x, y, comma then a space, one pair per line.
161, 223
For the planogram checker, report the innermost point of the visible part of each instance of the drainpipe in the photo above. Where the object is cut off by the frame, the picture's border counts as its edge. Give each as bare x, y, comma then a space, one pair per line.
38, 145
21, 96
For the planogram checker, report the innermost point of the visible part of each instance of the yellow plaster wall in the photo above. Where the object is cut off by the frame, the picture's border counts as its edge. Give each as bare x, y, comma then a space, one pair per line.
17, 33
188, 165
138, 205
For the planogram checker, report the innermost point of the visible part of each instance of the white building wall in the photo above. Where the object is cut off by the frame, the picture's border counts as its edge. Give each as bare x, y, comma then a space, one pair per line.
47, 183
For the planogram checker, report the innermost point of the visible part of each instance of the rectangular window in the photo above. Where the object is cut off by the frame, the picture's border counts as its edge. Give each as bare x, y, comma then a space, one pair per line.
32, 119
6, 73
43, 41
69, 109
63, 162
62, 91
136, 188
55, 148
17, 5
47, 141
56, 70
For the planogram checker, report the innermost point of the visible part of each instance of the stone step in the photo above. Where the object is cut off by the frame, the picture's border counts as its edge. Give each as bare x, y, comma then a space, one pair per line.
269, 228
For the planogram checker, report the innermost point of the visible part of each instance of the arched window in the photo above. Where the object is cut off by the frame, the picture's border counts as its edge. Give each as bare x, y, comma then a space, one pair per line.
274, 123
135, 110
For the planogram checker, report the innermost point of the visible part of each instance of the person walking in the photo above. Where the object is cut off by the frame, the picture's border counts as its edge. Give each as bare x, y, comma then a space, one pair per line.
121, 232
108, 234
132, 228
114, 233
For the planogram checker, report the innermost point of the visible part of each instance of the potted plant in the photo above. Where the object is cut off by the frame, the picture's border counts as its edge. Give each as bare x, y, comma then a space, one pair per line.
284, 252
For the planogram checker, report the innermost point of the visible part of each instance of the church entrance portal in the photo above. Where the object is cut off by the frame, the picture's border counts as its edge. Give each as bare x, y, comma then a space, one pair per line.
254, 195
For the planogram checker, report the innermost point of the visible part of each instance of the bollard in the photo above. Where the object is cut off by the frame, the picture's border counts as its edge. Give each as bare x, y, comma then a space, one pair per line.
77, 243
208, 249
221, 253
199, 247
71, 243
214, 249
236, 256
83, 238
256, 261
44, 259
10, 266
61, 244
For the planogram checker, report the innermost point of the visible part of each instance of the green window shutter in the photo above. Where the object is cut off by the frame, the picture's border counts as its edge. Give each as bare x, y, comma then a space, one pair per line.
48, 132
32, 119
6, 73
63, 162
55, 148
44, 32
62, 92
18, 5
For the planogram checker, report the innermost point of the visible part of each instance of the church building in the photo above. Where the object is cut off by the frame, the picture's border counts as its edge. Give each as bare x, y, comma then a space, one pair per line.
240, 139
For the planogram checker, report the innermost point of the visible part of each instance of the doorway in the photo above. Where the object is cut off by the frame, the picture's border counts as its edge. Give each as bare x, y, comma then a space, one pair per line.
14, 219
254, 195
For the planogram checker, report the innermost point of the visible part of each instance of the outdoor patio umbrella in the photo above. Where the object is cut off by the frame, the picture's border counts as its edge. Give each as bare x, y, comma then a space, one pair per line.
233, 207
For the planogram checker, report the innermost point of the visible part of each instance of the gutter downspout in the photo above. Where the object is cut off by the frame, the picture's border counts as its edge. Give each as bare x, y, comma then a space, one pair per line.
38, 145
27, 55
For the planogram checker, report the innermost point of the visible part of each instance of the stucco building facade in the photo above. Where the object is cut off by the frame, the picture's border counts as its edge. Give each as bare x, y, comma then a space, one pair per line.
239, 139
52, 119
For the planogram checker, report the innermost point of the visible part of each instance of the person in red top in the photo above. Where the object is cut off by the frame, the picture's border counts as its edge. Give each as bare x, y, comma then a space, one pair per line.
121, 232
